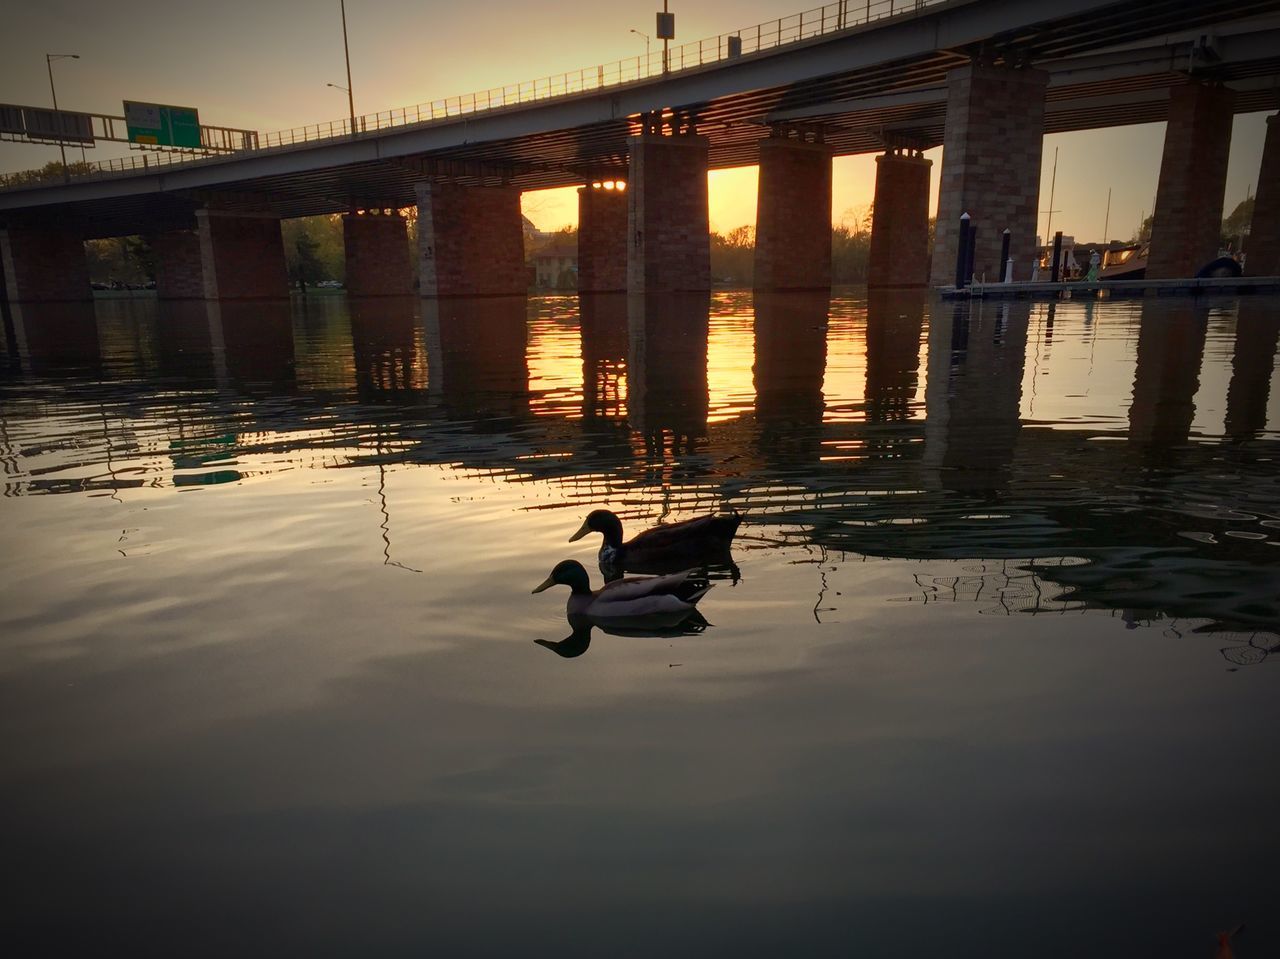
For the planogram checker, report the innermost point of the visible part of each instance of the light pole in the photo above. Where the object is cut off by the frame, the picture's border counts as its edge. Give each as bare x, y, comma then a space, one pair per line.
48, 62
351, 100
646, 46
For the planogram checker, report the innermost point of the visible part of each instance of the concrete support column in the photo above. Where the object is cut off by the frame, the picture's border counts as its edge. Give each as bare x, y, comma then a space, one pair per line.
43, 265
602, 239
1263, 245
241, 255
990, 167
1186, 227
179, 266
793, 216
670, 241
900, 225
470, 240
377, 254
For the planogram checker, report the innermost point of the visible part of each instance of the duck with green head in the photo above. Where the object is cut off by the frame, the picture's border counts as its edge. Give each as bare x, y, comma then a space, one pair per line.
704, 540
648, 600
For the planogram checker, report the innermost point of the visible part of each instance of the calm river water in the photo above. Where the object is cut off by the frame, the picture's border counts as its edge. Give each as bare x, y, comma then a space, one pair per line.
998, 670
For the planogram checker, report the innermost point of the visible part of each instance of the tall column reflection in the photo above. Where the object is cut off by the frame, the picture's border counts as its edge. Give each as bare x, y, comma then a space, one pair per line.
895, 321
603, 327
1171, 340
184, 342
1252, 364
790, 361
667, 369
476, 355
384, 346
57, 339
256, 340
977, 353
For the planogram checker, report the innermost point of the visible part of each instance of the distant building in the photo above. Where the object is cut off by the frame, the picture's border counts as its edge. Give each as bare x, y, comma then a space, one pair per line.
555, 269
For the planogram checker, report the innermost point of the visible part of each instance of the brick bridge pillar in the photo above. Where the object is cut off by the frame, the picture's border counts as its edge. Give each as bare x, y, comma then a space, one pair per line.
669, 248
241, 255
900, 225
43, 265
990, 167
793, 216
1263, 244
1186, 227
470, 240
602, 239
179, 269
378, 262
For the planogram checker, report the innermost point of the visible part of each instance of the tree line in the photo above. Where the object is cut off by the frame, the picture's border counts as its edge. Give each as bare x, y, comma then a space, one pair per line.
314, 252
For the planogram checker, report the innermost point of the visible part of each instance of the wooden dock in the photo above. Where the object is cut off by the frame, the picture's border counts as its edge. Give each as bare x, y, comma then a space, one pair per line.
1118, 288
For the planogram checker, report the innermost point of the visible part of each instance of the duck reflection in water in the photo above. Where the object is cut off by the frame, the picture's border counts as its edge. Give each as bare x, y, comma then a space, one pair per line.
703, 541
578, 641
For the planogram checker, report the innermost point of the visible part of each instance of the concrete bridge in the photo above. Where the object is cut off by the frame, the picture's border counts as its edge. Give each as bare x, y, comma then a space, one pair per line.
984, 78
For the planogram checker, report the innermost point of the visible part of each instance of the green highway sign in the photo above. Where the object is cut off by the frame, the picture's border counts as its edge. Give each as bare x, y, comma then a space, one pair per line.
156, 124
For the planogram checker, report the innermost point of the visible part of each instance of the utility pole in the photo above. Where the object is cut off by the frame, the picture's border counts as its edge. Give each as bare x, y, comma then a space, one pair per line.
346, 52
48, 62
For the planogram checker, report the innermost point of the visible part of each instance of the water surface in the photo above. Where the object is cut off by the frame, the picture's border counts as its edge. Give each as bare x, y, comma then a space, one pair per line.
999, 664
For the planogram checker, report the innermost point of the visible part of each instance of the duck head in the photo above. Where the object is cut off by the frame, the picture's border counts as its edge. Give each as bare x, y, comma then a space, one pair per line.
601, 521
569, 573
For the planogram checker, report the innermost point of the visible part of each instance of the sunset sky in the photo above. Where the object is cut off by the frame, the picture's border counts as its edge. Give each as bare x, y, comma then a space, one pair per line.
264, 66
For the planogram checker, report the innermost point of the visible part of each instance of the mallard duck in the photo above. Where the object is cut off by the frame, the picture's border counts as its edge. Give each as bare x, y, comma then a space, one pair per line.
701, 541
643, 601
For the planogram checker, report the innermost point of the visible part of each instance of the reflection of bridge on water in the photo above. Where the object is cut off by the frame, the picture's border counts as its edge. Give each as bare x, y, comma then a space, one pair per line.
452, 389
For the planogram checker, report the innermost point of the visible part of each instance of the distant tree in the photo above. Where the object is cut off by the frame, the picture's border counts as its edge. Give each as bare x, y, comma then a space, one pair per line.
733, 256
120, 261
307, 267
51, 172
1143, 233
313, 249
1236, 225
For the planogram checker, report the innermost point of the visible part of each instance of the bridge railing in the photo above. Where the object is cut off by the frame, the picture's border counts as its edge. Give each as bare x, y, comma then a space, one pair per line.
817, 22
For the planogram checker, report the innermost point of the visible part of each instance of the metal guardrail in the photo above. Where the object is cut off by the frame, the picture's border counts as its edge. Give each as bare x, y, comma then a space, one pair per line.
806, 25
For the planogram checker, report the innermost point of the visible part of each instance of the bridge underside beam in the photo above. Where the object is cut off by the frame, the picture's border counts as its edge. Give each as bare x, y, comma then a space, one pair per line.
43, 265
602, 240
1264, 232
470, 240
793, 216
378, 262
670, 241
899, 255
1186, 226
990, 167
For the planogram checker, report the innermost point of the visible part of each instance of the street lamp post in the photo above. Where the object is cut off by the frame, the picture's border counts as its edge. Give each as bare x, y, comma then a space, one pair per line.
346, 52
646, 46
48, 62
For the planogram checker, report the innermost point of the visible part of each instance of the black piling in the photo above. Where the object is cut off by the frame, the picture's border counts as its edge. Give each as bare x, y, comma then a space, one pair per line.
962, 252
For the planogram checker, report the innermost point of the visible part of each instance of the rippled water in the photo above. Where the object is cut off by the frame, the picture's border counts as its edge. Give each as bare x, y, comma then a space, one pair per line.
998, 663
